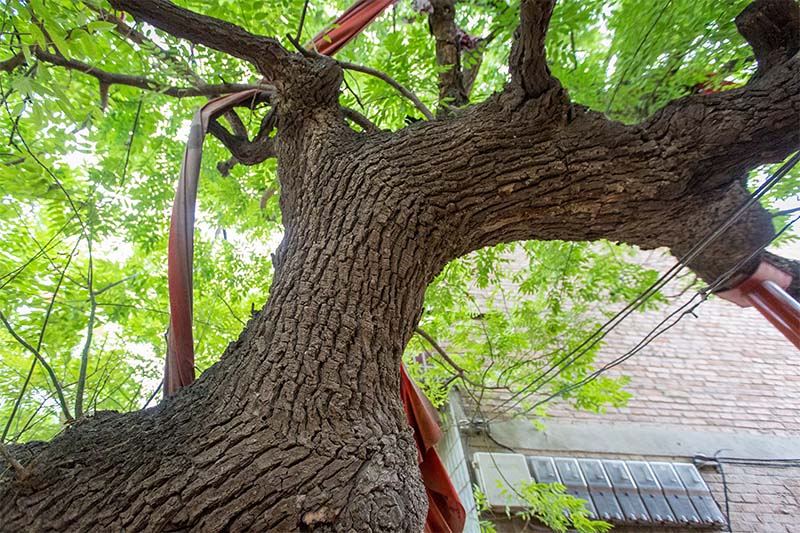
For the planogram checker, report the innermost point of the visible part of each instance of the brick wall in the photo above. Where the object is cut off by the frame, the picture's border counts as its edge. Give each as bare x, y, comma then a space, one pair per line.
726, 370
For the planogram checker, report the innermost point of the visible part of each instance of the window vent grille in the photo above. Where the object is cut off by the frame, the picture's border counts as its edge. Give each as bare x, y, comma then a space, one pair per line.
620, 492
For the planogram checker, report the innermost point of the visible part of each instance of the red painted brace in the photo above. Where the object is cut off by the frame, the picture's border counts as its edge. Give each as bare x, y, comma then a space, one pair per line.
765, 290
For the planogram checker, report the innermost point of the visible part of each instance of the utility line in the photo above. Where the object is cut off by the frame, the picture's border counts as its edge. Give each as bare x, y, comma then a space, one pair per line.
599, 334
687, 308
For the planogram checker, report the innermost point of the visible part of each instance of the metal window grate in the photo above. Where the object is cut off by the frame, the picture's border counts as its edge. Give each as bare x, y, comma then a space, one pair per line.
620, 492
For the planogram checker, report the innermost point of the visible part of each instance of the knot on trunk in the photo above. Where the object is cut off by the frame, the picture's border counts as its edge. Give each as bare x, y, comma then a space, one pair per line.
323, 515
312, 81
772, 27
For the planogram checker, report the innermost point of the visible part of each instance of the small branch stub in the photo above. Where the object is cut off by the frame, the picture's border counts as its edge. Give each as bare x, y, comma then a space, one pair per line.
772, 27
527, 60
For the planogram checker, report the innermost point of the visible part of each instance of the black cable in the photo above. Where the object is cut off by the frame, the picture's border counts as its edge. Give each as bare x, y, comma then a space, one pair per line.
750, 461
655, 333
599, 334
724, 491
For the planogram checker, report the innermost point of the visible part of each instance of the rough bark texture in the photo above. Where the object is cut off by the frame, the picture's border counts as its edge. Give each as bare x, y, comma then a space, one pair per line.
452, 89
300, 426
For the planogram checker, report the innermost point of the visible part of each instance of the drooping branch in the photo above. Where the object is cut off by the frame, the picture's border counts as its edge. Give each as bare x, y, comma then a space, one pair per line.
527, 60
264, 52
106, 78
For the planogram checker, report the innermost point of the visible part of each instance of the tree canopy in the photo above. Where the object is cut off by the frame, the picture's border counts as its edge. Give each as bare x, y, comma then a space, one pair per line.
411, 166
88, 171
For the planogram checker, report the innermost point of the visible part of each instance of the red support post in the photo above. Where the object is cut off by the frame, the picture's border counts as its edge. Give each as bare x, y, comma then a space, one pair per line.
778, 307
764, 290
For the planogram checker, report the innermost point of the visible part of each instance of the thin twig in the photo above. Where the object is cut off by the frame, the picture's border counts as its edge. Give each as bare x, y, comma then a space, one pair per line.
460, 372
391, 81
422, 333
18, 401
786, 212
114, 284
16, 272
302, 21
85, 360
232, 312
303, 50
22, 473
130, 140
43, 362
39, 341
150, 399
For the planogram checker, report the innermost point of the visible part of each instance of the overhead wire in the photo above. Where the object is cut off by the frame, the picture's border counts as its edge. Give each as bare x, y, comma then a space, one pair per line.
684, 310
600, 333
718, 461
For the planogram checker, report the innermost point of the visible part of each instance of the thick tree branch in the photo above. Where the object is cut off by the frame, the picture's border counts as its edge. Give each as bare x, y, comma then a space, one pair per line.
772, 27
471, 61
13, 62
264, 52
527, 60
720, 136
247, 152
551, 170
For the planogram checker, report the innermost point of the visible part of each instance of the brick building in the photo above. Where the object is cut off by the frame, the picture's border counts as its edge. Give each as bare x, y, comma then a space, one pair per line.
725, 383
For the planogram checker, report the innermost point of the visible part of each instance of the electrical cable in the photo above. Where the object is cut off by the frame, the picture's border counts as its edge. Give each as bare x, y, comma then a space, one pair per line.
725, 493
750, 461
655, 332
665, 278
718, 461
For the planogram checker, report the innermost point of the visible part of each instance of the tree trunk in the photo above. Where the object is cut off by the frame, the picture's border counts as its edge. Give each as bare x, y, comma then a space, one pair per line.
300, 425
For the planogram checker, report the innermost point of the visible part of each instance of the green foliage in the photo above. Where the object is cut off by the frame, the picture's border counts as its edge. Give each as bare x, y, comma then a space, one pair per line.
546, 503
551, 505
510, 313
86, 187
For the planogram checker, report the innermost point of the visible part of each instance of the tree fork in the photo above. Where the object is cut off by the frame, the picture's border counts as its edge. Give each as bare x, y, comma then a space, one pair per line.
299, 426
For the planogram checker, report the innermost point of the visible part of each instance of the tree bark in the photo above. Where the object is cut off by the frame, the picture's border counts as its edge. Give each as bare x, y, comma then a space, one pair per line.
300, 425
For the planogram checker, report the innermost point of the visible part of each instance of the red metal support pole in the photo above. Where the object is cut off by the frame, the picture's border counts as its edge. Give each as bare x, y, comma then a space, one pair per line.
778, 307
764, 290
